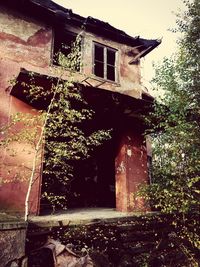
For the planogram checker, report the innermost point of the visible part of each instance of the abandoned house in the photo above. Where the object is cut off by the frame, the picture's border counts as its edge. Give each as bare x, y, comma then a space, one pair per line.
31, 34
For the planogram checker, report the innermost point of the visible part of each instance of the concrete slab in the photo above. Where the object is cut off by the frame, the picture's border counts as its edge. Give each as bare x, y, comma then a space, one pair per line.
11, 222
81, 216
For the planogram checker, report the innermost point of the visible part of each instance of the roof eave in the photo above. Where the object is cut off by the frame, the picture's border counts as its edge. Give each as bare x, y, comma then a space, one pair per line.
55, 13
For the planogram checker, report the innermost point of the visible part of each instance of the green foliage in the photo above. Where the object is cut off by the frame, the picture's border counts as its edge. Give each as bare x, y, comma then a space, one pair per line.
67, 141
21, 129
176, 135
73, 60
140, 241
57, 132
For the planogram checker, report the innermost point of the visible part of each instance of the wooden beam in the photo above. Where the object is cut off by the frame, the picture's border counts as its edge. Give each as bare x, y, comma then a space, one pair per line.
134, 60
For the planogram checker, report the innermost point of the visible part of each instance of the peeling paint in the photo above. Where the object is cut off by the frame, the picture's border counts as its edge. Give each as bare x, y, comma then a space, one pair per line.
121, 168
129, 152
18, 26
23, 43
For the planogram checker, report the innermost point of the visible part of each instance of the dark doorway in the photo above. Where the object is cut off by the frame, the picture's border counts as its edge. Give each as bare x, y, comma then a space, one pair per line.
94, 181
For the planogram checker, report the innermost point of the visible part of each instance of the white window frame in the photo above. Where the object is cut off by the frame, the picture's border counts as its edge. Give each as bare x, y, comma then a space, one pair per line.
105, 64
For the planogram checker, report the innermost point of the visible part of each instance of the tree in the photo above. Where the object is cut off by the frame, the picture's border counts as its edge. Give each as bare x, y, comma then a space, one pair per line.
57, 131
176, 135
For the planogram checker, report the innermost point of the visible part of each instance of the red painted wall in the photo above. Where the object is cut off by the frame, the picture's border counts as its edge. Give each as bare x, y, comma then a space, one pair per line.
25, 43
16, 158
131, 171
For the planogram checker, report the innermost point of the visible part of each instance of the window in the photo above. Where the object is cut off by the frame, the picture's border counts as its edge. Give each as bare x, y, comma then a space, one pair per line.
63, 42
104, 64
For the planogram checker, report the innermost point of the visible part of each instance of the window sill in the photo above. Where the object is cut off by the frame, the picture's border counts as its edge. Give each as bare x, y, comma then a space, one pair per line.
115, 83
92, 76
59, 67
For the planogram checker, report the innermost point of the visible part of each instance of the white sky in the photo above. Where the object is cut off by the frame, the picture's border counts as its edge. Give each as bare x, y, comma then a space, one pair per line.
149, 19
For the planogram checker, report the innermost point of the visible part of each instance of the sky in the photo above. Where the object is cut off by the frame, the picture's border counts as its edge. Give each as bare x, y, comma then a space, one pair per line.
150, 19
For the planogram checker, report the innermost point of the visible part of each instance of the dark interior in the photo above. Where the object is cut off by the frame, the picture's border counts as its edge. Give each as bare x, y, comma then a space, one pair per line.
94, 182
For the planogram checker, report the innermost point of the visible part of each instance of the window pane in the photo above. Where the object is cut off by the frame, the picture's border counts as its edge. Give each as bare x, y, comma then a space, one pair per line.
98, 53
99, 69
110, 73
110, 57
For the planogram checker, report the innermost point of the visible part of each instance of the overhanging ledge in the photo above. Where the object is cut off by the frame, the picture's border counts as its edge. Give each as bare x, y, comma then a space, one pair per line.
98, 98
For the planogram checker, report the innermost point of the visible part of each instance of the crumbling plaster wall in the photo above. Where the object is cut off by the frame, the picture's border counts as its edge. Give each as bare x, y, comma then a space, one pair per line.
12, 241
25, 43
30, 44
131, 171
15, 158
128, 80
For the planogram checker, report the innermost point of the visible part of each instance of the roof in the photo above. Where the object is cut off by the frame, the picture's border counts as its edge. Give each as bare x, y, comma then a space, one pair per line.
56, 15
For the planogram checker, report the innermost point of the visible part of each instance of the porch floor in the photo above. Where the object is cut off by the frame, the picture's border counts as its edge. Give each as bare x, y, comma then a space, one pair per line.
82, 216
